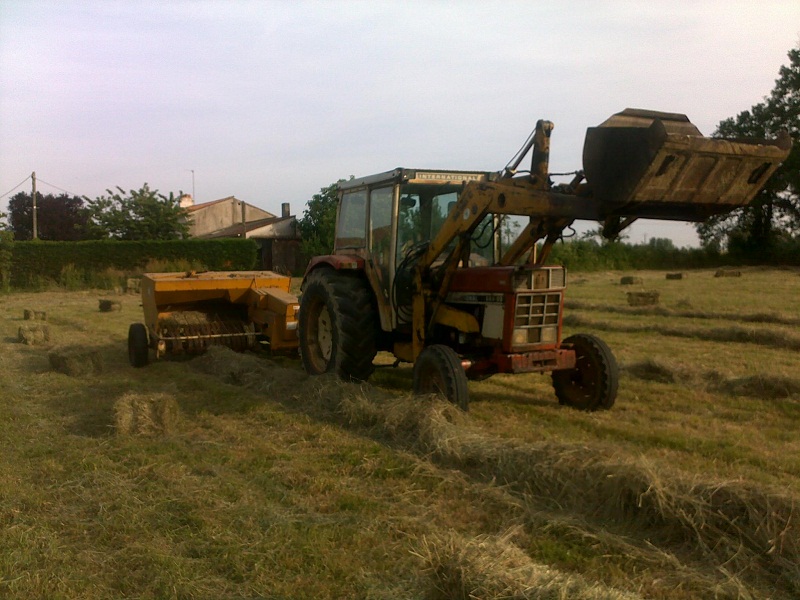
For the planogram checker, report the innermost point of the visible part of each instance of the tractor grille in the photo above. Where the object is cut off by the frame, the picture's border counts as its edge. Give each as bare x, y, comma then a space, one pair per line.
536, 318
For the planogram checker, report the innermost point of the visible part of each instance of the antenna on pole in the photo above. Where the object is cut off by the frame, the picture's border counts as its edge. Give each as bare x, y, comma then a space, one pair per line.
33, 195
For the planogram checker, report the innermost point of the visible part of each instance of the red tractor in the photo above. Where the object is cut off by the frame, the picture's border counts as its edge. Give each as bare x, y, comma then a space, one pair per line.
419, 267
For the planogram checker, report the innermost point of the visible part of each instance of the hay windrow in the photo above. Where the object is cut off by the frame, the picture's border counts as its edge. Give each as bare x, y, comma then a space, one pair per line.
762, 386
493, 567
651, 370
761, 337
749, 530
759, 386
661, 311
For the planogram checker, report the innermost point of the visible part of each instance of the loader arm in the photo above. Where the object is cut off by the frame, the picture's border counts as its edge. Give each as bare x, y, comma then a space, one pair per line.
637, 164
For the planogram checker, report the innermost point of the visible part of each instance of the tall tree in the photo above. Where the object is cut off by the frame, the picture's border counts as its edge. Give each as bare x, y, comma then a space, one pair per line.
774, 214
318, 224
59, 218
142, 214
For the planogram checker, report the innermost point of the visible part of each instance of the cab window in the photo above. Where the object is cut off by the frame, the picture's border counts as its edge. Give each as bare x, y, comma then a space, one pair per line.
380, 219
422, 213
351, 228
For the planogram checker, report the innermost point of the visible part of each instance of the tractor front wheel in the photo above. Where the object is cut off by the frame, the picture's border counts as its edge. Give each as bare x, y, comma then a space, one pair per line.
137, 345
592, 384
438, 370
337, 325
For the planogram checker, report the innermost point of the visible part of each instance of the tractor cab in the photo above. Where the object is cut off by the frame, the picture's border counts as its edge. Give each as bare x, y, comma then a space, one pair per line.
388, 219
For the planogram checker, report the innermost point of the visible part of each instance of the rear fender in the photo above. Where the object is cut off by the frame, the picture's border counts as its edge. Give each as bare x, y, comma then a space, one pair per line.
337, 262
355, 264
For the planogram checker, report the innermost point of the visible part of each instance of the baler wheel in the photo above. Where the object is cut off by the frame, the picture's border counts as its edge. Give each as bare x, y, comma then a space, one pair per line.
337, 325
137, 345
592, 384
438, 370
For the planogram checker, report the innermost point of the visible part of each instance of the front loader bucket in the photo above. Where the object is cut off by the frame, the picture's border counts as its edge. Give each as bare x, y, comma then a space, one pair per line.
658, 165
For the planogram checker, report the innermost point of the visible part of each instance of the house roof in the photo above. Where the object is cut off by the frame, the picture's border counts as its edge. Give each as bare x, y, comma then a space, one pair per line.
236, 230
202, 205
195, 207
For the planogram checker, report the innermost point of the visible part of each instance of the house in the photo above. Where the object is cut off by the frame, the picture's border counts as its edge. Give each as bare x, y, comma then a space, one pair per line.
277, 237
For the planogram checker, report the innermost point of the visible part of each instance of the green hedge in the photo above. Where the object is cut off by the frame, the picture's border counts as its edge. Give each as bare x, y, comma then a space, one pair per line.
103, 263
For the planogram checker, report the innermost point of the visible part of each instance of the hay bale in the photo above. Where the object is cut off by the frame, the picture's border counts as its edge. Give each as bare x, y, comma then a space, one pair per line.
133, 285
643, 298
76, 361
148, 415
107, 305
35, 334
677, 276
727, 273
630, 280
34, 315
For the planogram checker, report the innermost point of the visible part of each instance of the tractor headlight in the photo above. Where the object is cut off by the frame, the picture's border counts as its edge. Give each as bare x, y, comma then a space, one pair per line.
523, 336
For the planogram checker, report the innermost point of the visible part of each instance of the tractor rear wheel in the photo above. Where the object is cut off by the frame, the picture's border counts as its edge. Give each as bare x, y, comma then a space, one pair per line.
438, 370
137, 345
592, 384
337, 325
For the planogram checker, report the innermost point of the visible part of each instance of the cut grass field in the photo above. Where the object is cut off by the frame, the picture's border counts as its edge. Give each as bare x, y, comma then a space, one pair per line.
237, 476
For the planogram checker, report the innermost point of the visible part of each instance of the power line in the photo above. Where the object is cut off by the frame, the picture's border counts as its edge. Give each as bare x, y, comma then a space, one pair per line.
39, 179
20, 183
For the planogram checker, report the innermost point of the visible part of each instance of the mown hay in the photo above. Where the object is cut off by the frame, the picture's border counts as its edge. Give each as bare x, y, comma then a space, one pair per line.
107, 305
682, 307
146, 415
643, 298
676, 276
760, 386
248, 370
76, 361
650, 370
34, 334
751, 531
630, 280
759, 336
492, 567
34, 315
727, 273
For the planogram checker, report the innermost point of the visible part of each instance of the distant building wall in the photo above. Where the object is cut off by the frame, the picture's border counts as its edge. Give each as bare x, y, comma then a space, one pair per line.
213, 216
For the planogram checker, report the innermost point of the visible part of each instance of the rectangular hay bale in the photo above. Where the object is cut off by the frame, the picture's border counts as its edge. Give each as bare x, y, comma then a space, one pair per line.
643, 298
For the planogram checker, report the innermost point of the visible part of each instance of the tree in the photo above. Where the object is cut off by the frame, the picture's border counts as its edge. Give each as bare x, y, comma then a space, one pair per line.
58, 218
318, 225
141, 214
774, 215
6, 244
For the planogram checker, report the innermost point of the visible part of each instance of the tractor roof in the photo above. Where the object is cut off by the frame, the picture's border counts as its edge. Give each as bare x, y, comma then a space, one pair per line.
406, 175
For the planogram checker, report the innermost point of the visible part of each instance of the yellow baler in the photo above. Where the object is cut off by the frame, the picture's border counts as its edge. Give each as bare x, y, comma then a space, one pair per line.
187, 312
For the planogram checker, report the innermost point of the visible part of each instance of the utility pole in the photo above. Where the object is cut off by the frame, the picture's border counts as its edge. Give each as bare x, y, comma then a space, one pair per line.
33, 179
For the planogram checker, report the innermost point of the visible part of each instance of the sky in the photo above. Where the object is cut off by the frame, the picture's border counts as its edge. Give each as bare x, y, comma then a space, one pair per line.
269, 101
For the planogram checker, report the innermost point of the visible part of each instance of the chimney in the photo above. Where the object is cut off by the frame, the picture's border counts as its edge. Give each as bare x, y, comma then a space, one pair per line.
186, 201
285, 210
